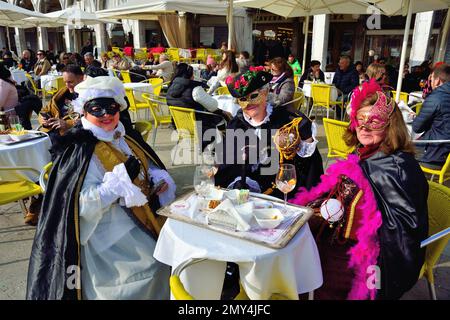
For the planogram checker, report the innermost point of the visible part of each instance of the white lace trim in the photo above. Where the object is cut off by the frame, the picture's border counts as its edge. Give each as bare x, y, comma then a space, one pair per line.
101, 134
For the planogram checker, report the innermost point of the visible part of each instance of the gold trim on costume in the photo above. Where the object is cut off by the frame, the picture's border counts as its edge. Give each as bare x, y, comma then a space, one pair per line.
352, 213
77, 226
110, 157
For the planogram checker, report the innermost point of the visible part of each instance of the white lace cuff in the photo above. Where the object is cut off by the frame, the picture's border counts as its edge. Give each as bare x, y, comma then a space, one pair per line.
307, 148
119, 183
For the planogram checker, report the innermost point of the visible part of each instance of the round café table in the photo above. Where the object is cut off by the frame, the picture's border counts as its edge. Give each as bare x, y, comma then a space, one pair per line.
293, 269
33, 153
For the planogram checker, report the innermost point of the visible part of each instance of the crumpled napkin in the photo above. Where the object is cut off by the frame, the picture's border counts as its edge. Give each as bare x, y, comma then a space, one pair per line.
119, 183
242, 218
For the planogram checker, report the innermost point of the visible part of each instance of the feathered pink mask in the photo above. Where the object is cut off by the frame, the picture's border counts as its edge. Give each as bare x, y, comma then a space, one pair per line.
378, 117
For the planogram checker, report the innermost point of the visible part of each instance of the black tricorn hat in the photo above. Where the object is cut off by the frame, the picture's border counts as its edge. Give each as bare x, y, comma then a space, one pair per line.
248, 82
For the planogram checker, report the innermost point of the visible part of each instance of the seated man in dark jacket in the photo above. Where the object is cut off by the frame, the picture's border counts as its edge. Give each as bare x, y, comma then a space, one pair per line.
184, 92
345, 79
434, 119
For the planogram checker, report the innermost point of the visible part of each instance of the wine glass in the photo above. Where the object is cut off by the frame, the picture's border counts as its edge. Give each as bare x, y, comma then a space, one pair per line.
203, 180
286, 180
15, 124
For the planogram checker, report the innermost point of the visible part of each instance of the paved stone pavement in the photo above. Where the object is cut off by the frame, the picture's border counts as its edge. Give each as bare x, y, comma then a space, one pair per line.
16, 237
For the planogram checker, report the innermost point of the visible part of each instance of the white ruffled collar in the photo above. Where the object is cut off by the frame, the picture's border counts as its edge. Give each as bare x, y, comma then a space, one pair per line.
253, 123
102, 135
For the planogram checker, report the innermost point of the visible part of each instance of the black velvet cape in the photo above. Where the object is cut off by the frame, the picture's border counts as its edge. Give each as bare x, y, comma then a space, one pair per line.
401, 192
55, 254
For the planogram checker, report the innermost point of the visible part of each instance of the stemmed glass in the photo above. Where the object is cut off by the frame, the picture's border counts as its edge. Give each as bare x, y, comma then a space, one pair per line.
204, 179
286, 180
14, 122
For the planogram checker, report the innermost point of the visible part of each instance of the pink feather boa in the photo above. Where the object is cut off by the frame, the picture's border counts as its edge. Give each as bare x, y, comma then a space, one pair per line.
367, 249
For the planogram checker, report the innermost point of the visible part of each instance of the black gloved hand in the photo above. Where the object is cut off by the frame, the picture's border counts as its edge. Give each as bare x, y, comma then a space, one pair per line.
133, 167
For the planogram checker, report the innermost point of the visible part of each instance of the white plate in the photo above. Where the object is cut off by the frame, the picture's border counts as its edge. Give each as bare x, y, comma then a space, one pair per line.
21, 137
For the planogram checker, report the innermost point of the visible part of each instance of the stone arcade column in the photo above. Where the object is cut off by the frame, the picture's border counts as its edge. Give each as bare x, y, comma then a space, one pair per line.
138, 34
319, 44
100, 38
19, 37
42, 38
69, 39
422, 33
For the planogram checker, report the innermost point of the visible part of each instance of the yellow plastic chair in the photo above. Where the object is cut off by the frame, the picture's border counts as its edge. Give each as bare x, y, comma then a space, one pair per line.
156, 107
180, 293
321, 94
144, 128
11, 191
117, 50
43, 177
125, 76
140, 54
214, 53
438, 220
201, 55
59, 85
418, 107
443, 173
184, 119
34, 85
136, 106
299, 100
222, 91
157, 84
173, 54
334, 132
403, 96
177, 288
185, 122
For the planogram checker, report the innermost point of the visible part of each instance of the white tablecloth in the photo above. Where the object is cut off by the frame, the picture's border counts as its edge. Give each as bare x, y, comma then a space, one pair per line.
33, 153
307, 91
18, 76
293, 269
329, 77
415, 97
48, 81
138, 89
226, 103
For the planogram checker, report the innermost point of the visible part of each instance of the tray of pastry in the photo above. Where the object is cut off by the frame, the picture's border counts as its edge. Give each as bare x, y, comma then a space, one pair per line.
14, 137
254, 217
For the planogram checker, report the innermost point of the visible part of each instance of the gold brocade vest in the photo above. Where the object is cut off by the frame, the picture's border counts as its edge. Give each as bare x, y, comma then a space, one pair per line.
109, 157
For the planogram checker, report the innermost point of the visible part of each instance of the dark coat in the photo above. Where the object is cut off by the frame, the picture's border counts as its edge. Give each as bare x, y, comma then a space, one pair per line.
434, 120
347, 80
401, 192
309, 169
28, 65
179, 94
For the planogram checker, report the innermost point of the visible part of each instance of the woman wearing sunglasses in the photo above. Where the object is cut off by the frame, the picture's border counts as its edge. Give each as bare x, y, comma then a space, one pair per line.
42, 66
253, 127
98, 229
